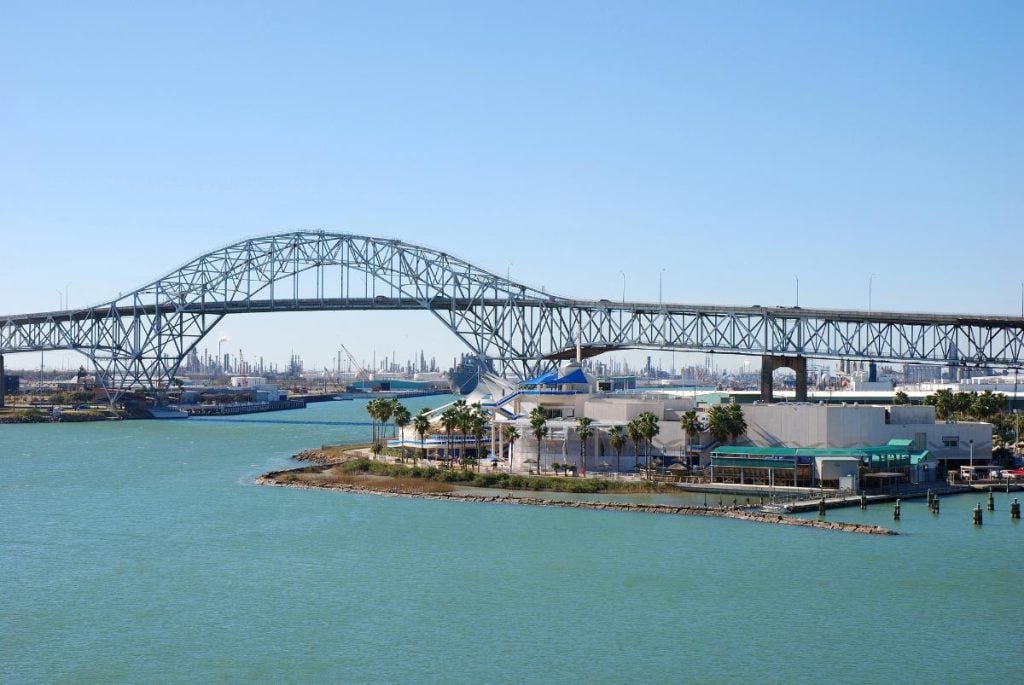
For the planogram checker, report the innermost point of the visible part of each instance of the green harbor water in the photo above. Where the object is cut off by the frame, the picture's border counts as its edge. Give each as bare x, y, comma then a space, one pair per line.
142, 552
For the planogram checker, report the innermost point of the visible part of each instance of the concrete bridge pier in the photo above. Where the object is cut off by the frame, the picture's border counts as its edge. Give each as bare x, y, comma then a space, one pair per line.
771, 362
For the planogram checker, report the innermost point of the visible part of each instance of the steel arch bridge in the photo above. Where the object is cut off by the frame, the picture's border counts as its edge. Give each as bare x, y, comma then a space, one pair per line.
141, 338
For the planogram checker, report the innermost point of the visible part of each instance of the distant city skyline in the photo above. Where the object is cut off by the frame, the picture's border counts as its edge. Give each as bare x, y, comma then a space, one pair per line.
848, 155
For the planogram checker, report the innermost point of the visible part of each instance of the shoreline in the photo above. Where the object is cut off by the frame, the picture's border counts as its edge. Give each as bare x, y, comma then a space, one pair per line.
17, 416
737, 513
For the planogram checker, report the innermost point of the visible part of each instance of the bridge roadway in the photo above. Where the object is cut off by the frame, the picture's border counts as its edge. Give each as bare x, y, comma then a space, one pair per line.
385, 303
141, 338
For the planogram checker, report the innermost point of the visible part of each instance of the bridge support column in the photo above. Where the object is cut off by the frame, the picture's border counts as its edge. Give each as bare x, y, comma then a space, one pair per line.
770, 362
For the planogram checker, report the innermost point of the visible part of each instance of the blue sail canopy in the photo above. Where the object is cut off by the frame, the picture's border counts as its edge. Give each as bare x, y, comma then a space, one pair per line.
574, 376
546, 378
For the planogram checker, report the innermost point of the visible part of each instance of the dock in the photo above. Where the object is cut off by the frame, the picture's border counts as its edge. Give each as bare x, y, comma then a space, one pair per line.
797, 500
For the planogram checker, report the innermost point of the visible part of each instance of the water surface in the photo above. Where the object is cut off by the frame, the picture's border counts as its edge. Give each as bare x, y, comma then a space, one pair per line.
141, 551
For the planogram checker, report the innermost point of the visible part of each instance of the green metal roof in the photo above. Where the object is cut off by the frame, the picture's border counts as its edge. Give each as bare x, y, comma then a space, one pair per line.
917, 457
731, 450
900, 442
756, 451
884, 455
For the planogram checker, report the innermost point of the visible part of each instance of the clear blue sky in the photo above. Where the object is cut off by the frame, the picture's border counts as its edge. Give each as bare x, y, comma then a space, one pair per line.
734, 144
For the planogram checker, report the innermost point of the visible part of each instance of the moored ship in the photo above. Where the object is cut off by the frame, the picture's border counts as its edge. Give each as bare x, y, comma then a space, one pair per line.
465, 376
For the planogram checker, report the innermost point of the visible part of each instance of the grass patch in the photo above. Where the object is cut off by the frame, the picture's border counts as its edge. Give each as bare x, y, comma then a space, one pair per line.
498, 481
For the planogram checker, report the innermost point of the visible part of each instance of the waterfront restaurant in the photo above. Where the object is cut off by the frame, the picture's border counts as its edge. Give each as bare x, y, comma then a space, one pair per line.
749, 465
818, 467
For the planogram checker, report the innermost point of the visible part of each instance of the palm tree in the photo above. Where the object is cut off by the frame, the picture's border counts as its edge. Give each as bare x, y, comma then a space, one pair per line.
648, 428
478, 427
539, 428
374, 409
900, 398
449, 421
985, 405
618, 441
387, 410
421, 424
718, 423
401, 419
737, 422
963, 402
371, 411
636, 436
462, 416
465, 428
511, 434
944, 402
584, 429
691, 427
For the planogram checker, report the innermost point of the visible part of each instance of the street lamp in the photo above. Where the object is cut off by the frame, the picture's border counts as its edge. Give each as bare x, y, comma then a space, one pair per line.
67, 302
623, 286
660, 274
60, 297
870, 279
797, 279
1021, 299
971, 444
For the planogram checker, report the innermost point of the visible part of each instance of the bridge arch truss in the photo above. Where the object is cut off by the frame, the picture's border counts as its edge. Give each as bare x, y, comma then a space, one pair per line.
141, 338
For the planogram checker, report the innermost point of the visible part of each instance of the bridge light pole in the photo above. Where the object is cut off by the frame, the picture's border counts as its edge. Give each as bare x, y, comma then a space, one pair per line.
1021, 299
624, 287
870, 279
60, 297
797, 279
67, 302
660, 274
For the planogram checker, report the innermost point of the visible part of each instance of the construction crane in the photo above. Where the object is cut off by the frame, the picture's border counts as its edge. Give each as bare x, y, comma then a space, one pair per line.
361, 373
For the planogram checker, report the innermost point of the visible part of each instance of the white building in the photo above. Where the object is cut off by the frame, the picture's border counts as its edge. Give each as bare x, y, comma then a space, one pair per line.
795, 424
568, 393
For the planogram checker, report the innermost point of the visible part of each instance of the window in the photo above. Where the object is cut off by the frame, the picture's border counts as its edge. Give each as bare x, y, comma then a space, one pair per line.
950, 441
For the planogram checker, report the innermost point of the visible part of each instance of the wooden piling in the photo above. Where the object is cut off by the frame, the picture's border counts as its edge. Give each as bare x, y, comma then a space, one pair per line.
1015, 509
896, 511
977, 514
991, 501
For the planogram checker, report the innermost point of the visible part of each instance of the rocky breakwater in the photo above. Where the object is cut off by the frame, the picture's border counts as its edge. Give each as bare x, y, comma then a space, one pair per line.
320, 456
738, 513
